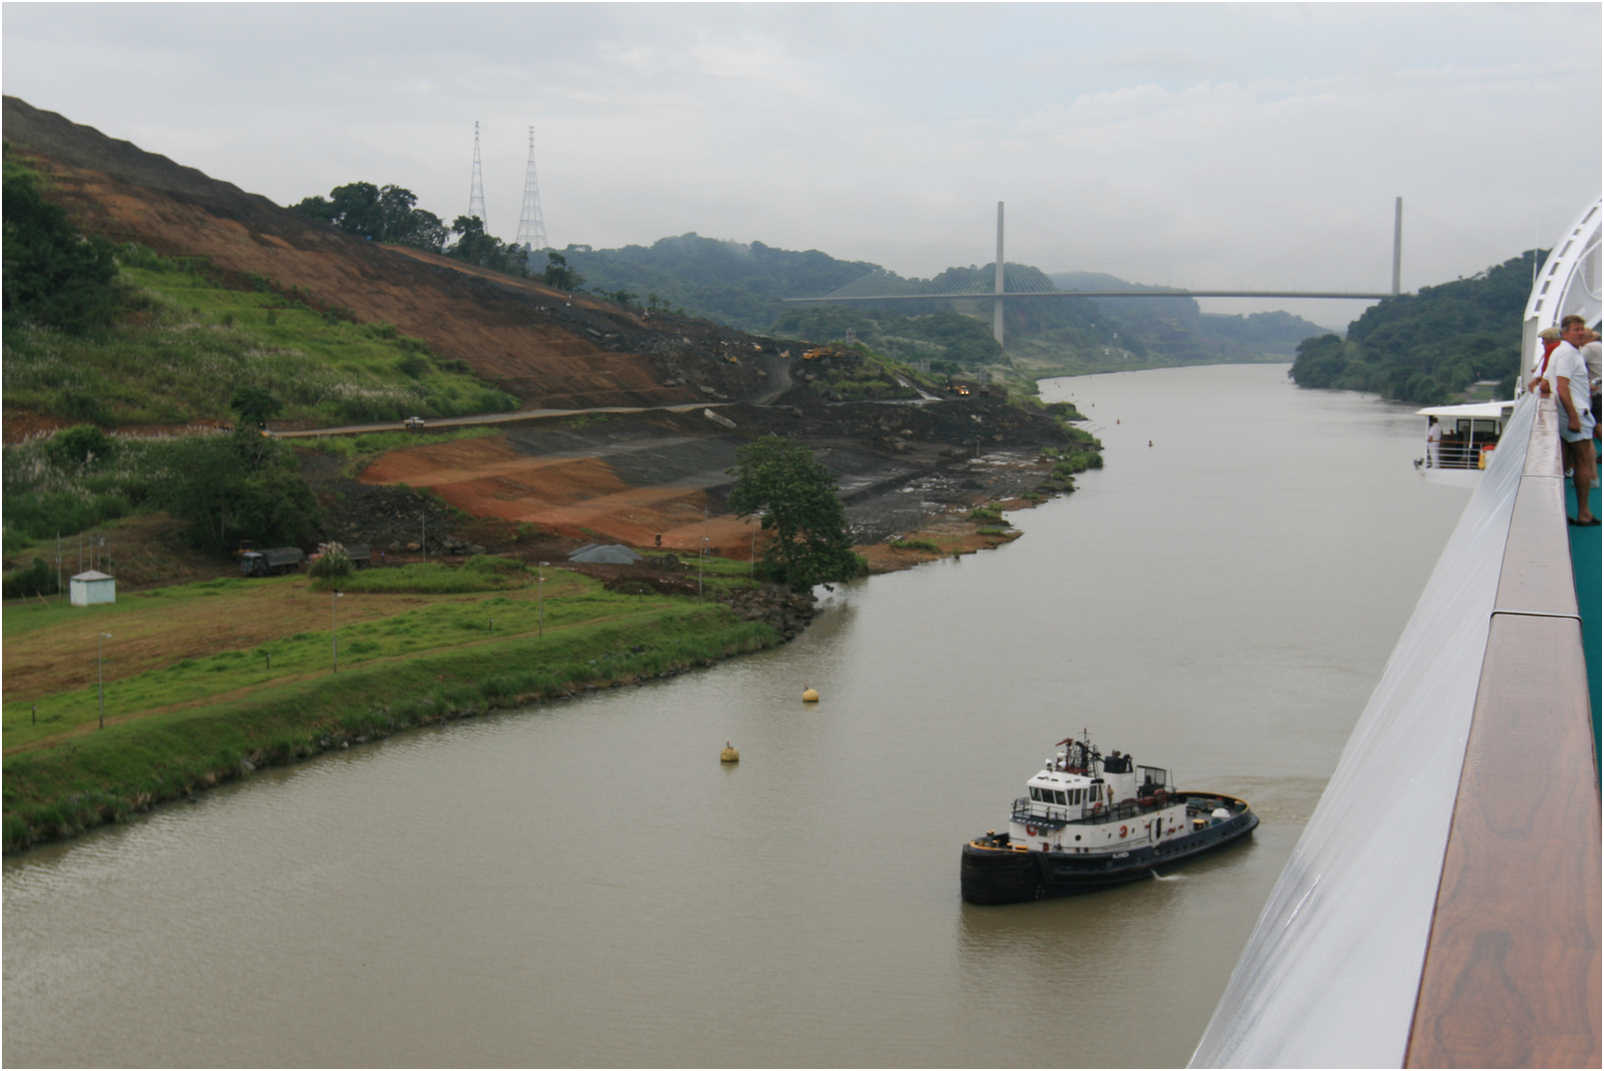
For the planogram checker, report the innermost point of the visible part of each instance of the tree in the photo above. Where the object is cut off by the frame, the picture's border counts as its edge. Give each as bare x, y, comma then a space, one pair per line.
255, 406
796, 496
82, 446
1320, 362
559, 274
356, 210
231, 487
379, 214
476, 246
318, 208
52, 274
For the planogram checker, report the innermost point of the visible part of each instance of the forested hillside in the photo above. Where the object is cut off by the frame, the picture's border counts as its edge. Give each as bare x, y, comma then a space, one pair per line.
1431, 347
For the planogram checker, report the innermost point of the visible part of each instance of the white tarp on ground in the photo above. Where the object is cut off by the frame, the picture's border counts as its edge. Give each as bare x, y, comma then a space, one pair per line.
1329, 976
605, 553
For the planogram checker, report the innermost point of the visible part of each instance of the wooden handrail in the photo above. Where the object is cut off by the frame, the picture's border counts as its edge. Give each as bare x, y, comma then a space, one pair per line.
1511, 974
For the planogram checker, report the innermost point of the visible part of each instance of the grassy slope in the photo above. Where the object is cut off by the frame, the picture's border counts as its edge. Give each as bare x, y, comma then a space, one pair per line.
175, 727
189, 342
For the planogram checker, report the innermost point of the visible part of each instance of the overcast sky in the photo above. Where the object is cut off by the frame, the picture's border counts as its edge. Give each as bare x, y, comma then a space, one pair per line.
1194, 145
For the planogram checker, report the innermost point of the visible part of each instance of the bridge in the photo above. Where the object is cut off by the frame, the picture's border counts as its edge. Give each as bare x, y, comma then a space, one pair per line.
998, 295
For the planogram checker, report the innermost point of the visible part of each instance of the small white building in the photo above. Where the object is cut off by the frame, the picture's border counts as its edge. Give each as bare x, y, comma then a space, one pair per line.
93, 587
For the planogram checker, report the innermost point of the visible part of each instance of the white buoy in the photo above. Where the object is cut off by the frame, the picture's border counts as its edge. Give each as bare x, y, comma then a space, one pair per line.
809, 695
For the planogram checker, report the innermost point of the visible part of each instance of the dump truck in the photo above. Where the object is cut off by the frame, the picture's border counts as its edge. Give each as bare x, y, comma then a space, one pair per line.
270, 561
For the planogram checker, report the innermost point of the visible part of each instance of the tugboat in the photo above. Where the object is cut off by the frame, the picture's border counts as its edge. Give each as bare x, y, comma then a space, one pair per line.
1091, 821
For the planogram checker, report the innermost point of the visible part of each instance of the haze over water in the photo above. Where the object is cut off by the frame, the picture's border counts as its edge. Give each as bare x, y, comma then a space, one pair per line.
584, 884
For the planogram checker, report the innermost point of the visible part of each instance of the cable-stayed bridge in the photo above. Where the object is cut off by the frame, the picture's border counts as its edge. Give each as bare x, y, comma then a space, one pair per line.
873, 287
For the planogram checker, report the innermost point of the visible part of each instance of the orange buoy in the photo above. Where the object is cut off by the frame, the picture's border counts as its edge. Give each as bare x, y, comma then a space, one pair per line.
729, 754
809, 695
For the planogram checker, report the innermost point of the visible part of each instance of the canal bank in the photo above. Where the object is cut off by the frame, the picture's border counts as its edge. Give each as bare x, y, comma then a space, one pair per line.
207, 725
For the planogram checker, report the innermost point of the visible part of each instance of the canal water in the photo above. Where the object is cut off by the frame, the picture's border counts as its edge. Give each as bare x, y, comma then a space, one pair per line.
584, 884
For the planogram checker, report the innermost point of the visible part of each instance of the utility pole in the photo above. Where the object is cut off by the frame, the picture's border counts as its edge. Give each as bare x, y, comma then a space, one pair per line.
100, 675
540, 598
334, 631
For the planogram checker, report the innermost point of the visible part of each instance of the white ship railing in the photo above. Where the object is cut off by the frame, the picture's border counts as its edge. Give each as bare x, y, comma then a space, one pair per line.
1441, 907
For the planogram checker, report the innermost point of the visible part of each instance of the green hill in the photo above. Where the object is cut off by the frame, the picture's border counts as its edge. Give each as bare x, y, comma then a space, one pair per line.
1431, 347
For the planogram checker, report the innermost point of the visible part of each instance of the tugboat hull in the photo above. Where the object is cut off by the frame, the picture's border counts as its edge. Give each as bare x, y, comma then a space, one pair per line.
996, 871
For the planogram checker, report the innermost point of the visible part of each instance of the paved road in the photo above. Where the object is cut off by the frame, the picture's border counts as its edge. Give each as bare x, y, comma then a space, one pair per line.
494, 418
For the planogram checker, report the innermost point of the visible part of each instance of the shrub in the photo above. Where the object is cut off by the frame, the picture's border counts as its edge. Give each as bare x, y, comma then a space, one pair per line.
37, 579
81, 445
334, 562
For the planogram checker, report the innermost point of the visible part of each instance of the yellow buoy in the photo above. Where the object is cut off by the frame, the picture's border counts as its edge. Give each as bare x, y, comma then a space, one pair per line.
809, 695
729, 754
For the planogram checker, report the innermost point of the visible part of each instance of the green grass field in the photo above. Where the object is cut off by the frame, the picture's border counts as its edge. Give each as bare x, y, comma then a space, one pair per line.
176, 725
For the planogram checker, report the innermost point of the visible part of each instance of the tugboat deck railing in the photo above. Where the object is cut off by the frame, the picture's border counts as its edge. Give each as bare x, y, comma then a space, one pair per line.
1026, 809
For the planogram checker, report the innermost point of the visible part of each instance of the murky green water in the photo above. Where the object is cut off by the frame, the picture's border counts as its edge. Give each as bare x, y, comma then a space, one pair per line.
586, 885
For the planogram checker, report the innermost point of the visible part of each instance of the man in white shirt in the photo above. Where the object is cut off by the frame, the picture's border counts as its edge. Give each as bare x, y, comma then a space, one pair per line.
1567, 376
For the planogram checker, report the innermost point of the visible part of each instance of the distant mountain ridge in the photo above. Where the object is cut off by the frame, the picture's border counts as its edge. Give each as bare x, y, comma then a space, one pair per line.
744, 285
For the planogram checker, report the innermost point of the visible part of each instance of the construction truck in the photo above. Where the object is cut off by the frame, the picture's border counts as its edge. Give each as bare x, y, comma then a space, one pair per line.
270, 561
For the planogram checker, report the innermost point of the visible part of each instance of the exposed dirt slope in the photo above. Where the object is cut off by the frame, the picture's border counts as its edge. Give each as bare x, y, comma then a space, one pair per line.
635, 479
543, 486
535, 342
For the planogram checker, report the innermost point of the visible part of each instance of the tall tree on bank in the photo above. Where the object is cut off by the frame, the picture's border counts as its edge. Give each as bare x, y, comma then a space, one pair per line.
796, 496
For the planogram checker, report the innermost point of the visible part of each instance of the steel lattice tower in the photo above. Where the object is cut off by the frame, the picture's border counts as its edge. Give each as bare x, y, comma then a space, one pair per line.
476, 195
531, 222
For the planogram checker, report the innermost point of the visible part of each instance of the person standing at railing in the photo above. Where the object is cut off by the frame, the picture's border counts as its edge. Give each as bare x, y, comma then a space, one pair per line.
1567, 376
1550, 338
1590, 355
1433, 443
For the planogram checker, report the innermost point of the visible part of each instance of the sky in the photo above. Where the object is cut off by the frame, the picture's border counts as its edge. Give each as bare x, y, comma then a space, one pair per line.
1250, 146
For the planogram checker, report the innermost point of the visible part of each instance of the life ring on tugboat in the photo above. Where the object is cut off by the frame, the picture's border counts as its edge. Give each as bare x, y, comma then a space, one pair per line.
1030, 830
1122, 832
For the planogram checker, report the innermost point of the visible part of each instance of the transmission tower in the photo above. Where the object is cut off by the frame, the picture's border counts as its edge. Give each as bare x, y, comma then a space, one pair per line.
531, 223
476, 195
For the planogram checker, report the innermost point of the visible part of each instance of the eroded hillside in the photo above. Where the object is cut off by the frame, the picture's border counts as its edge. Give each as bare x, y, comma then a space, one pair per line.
543, 346
906, 454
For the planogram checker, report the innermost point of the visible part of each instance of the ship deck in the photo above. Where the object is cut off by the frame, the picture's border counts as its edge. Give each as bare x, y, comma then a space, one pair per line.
1479, 755
1585, 544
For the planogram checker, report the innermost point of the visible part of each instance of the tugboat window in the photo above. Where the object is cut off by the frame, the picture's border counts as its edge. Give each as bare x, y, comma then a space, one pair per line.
1059, 796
